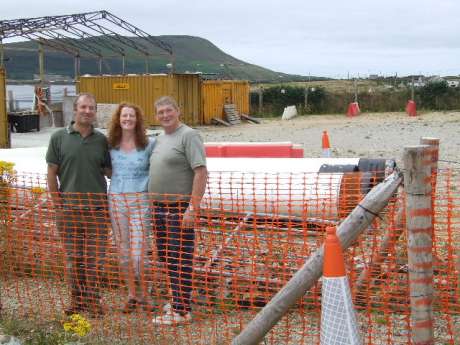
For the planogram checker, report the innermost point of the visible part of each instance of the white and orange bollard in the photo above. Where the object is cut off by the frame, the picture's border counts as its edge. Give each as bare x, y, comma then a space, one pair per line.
338, 319
326, 145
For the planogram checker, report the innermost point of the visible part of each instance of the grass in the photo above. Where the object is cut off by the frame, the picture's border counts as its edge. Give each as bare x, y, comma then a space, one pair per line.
39, 333
334, 86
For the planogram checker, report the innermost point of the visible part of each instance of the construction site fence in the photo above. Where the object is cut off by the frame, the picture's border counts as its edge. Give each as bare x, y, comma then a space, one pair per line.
252, 233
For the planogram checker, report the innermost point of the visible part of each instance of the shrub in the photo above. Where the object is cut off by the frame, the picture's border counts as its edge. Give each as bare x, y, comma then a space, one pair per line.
430, 94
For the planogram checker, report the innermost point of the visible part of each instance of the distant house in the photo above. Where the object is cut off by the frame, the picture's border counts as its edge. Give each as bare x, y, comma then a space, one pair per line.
419, 82
453, 83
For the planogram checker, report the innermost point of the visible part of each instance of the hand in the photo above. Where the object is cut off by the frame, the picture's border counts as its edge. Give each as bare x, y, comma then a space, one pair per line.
56, 200
190, 215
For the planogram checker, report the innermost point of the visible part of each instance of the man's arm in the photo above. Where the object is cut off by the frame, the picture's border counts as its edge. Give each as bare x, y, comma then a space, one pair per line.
198, 188
52, 180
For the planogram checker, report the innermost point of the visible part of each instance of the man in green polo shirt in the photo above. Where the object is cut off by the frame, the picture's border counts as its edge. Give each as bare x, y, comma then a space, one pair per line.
78, 158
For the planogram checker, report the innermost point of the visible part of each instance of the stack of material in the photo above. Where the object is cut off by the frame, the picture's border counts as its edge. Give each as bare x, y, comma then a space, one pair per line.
231, 114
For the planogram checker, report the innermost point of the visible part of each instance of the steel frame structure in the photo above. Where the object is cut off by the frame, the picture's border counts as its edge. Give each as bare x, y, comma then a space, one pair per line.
84, 34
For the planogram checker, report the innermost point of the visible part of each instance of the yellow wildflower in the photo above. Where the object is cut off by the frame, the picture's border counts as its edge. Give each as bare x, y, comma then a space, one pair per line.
77, 325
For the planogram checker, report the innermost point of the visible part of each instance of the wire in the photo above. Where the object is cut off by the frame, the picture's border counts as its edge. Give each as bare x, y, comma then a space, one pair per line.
447, 161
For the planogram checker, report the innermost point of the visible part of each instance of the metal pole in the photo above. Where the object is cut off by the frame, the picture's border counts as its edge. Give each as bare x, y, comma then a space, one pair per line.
146, 64
100, 65
417, 182
11, 100
261, 100
2, 54
173, 63
123, 64
306, 99
356, 89
76, 66
41, 62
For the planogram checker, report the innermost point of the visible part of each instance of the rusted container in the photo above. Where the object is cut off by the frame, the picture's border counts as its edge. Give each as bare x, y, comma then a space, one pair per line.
4, 142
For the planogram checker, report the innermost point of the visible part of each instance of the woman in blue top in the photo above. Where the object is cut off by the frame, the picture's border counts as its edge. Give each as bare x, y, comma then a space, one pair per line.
129, 207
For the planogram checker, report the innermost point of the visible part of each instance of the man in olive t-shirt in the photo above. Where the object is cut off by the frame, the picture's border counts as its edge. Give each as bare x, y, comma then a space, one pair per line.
177, 182
78, 158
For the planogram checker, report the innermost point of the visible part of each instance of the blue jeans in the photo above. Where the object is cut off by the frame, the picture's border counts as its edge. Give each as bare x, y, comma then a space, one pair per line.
175, 247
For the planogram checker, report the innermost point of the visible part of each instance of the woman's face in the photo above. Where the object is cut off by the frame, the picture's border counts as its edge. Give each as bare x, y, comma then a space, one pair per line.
128, 118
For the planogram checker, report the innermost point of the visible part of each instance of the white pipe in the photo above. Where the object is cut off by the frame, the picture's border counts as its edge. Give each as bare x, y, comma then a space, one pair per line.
279, 186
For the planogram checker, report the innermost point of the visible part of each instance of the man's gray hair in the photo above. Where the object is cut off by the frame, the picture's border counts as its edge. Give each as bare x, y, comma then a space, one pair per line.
166, 100
83, 95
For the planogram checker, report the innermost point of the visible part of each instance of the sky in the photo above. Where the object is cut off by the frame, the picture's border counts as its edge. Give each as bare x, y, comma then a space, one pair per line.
330, 38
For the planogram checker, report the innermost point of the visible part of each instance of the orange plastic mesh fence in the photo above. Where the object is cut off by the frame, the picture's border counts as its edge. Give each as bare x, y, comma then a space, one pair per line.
252, 233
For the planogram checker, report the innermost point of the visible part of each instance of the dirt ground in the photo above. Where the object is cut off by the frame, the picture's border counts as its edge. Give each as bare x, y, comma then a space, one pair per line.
377, 135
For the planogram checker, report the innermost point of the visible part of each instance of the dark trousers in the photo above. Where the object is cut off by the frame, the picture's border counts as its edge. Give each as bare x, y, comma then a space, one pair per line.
85, 236
175, 246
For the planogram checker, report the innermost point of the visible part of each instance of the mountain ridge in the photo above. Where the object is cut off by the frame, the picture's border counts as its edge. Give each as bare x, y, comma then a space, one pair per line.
192, 54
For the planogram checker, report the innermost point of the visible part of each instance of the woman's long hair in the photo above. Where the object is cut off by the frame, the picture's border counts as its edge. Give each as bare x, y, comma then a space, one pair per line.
114, 136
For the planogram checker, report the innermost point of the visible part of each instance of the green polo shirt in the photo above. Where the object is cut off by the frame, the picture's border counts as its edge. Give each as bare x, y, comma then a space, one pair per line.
81, 161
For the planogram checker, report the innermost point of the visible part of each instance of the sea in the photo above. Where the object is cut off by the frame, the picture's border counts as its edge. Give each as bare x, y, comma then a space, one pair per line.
23, 95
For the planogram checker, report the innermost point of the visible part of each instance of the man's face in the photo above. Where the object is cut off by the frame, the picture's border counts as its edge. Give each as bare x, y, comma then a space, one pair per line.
85, 112
168, 116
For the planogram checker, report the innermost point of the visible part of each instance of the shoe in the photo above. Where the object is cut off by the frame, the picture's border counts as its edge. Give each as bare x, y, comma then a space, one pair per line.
130, 306
172, 318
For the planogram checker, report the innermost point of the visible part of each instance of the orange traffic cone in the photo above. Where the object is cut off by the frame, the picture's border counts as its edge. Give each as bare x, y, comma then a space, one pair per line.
326, 145
338, 318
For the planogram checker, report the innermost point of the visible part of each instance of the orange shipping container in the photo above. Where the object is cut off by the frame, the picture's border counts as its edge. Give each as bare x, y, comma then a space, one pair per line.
216, 93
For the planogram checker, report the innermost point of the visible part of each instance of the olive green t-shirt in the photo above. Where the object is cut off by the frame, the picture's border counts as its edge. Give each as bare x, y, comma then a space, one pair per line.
81, 161
172, 162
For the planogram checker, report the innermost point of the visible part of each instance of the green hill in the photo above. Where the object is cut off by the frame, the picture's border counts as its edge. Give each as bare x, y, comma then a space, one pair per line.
192, 54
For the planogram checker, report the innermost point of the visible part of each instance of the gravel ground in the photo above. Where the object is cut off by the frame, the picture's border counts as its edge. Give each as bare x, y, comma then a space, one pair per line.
377, 135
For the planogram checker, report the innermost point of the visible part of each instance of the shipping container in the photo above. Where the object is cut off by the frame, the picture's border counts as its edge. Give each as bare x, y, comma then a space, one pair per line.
198, 100
216, 93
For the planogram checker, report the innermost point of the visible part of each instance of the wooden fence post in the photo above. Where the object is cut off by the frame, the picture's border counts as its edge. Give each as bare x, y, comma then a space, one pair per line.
417, 183
433, 156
